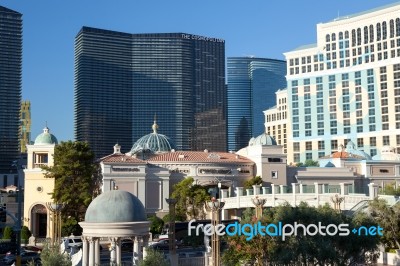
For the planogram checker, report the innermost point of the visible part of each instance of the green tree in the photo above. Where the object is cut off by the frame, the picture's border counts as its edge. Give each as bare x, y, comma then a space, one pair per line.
156, 225
308, 163
154, 258
25, 234
77, 178
300, 249
7, 232
51, 256
190, 199
256, 180
390, 189
388, 217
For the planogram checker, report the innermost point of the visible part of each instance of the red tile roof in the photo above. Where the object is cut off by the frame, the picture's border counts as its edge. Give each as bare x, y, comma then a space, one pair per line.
200, 156
121, 158
342, 154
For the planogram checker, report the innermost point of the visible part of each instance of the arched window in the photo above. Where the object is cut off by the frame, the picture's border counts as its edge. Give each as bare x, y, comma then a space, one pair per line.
333, 37
328, 38
365, 35
346, 34
340, 35
353, 38
378, 31
391, 28
358, 36
397, 26
384, 31
371, 33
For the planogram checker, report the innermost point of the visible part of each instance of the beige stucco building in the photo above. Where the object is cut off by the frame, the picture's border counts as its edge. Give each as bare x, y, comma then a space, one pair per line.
38, 189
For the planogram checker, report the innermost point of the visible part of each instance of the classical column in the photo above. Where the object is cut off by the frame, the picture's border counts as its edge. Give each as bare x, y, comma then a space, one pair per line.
112, 251
97, 252
85, 255
135, 250
118, 251
91, 250
140, 244
215, 207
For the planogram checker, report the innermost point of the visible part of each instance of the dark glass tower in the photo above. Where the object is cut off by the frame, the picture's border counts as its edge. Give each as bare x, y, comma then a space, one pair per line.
123, 80
10, 86
252, 83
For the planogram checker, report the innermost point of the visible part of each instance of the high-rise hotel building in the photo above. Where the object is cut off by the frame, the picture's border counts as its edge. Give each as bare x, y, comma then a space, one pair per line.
123, 80
346, 86
252, 82
10, 87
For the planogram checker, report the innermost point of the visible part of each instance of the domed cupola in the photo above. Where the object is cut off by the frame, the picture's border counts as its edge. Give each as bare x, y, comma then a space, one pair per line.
46, 138
154, 142
263, 139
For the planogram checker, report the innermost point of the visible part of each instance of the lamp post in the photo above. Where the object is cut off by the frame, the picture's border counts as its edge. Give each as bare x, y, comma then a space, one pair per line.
171, 232
337, 201
215, 207
55, 209
259, 203
19, 215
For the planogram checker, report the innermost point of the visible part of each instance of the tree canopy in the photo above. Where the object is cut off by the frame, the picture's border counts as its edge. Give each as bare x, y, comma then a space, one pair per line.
300, 249
190, 199
77, 179
256, 180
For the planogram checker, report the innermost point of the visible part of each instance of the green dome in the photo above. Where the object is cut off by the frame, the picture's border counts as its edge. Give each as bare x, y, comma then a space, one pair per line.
46, 138
115, 206
154, 142
263, 139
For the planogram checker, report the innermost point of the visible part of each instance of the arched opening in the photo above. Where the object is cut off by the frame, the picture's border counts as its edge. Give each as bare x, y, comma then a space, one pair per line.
39, 221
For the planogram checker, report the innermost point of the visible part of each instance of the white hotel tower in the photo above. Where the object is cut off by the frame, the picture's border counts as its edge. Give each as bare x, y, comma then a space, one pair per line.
346, 86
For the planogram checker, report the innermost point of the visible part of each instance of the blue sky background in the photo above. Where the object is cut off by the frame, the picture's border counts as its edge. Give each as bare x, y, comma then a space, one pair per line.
262, 28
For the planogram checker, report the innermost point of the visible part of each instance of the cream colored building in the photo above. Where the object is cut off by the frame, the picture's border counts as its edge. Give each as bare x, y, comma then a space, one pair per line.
276, 120
346, 86
38, 189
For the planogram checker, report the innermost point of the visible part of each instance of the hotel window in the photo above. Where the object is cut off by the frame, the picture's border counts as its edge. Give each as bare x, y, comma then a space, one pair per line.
321, 145
321, 154
274, 174
308, 145
359, 113
296, 157
334, 145
371, 33
333, 131
360, 129
308, 156
398, 140
372, 141
296, 146
347, 130
386, 140
308, 133
391, 28
360, 142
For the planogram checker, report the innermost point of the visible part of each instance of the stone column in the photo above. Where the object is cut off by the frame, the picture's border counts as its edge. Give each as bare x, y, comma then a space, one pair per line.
91, 251
118, 251
112, 251
85, 250
135, 250
140, 244
97, 252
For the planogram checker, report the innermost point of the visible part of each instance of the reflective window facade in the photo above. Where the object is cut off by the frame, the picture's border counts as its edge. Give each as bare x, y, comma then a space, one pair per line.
252, 83
122, 80
10, 86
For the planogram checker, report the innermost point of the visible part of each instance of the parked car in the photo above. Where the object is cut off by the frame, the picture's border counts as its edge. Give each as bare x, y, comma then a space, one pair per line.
26, 256
162, 244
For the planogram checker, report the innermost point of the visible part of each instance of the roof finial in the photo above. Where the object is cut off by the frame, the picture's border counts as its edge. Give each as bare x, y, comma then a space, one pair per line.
155, 126
46, 129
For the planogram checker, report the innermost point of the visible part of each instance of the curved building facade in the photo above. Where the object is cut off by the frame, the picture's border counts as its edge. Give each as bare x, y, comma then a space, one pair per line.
252, 83
122, 80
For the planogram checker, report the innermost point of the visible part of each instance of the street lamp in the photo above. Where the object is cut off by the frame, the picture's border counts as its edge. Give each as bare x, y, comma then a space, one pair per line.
171, 232
19, 215
55, 209
215, 207
259, 203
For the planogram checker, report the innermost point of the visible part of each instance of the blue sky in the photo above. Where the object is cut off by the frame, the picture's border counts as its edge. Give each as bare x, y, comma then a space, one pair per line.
263, 28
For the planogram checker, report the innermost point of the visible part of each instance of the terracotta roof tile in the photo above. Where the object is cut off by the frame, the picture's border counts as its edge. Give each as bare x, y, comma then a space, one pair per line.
121, 158
200, 156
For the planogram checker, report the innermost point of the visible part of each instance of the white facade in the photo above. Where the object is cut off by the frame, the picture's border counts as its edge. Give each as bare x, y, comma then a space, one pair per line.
346, 86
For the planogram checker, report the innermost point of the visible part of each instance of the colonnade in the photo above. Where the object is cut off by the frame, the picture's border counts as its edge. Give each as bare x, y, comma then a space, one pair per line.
91, 250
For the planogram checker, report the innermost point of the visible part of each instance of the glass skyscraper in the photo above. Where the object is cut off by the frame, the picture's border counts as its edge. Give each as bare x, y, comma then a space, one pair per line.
252, 83
10, 86
123, 80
